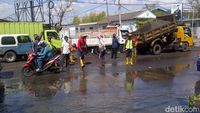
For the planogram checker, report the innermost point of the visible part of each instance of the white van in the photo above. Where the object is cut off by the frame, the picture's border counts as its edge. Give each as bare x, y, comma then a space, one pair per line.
14, 45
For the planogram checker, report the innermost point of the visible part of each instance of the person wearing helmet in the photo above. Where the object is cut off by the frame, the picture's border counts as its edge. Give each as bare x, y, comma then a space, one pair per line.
44, 54
129, 46
36, 40
102, 48
82, 48
72, 56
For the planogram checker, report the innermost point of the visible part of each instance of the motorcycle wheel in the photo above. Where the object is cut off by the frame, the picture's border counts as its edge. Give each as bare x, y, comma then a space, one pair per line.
27, 71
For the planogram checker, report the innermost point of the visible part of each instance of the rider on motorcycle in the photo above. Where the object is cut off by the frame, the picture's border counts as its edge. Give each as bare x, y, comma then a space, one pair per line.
44, 54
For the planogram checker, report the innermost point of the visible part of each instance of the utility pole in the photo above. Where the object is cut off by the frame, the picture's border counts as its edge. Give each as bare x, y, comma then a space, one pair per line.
32, 10
119, 13
192, 18
107, 12
182, 12
50, 6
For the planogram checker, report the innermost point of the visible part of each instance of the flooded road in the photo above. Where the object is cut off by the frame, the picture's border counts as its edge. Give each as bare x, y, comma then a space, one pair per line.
149, 86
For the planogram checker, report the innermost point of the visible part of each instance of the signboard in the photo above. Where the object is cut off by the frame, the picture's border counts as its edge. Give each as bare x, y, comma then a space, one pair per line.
177, 10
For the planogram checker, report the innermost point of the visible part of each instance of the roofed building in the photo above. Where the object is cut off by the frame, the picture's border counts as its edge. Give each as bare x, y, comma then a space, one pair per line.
128, 20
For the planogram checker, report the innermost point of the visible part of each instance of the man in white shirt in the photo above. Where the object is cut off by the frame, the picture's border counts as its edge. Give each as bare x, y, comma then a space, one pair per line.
102, 49
65, 52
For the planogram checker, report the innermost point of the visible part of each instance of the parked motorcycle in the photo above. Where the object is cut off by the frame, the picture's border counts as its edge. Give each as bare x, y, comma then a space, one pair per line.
52, 65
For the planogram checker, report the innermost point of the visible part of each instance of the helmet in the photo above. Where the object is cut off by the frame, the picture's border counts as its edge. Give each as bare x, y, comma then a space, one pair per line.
74, 45
42, 44
36, 36
84, 35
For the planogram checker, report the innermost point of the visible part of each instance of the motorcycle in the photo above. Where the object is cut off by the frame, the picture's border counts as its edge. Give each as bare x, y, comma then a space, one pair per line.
52, 65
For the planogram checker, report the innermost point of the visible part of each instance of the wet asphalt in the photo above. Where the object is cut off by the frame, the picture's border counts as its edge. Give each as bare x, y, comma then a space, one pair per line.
149, 86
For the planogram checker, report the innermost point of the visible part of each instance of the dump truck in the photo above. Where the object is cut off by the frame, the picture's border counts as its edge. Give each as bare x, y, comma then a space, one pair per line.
31, 28
163, 33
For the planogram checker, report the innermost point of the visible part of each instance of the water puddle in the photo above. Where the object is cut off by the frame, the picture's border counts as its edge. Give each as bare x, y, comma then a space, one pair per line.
97, 89
166, 73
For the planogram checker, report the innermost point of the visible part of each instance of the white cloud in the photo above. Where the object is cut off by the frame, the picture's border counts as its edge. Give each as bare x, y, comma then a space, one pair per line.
7, 9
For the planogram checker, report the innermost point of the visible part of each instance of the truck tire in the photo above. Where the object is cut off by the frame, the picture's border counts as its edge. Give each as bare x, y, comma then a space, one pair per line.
96, 50
157, 49
185, 47
10, 56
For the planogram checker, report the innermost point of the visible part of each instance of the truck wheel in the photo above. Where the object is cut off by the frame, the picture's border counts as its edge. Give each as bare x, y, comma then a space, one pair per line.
185, 47
156, 50
96, 50
10, 56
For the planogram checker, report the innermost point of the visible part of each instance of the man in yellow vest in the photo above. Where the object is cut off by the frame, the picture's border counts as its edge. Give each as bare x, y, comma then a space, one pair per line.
129, 46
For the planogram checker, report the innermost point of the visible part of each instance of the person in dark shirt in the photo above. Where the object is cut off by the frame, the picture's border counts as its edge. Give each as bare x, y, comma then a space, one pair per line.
115, 46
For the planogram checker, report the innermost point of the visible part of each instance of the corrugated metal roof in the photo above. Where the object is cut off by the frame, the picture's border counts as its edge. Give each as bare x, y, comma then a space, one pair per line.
125, 16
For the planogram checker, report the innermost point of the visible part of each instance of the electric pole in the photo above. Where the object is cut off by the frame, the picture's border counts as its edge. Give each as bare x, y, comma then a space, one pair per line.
50, 6
107, 11
32, 11
119, 11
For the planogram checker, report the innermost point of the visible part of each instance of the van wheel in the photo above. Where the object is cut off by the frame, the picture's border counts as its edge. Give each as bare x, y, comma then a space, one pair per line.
156, 50
10, 56
185, 47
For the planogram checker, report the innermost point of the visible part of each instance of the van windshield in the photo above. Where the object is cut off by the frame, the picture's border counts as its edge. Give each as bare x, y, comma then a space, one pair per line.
23, 39
53, 35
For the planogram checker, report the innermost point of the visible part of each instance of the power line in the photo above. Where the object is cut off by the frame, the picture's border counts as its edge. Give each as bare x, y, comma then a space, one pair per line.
88, 10
109, 3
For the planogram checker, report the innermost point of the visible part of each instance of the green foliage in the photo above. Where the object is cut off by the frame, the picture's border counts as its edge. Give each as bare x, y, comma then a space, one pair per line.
141, 22
92, 17
159, 12
76, 20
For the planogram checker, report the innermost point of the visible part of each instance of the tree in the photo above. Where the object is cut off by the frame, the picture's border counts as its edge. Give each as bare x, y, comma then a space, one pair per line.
142, 22
101, 16
61, 8
94, 17
196, 5
76, 20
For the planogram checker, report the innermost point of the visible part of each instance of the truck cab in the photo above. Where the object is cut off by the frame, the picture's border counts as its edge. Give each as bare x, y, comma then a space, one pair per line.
52, 38
185, 36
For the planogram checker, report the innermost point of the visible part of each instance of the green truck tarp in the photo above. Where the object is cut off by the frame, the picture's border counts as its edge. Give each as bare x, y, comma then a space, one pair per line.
30, 28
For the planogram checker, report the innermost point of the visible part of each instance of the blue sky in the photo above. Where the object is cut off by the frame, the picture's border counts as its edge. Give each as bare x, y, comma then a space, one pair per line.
80, 9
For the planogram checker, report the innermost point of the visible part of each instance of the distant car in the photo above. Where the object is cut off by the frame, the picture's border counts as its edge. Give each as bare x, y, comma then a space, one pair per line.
14, 45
